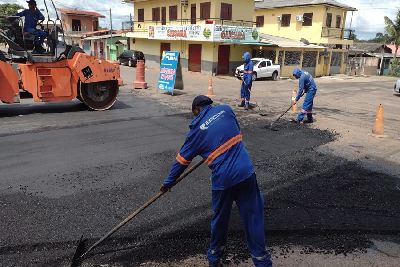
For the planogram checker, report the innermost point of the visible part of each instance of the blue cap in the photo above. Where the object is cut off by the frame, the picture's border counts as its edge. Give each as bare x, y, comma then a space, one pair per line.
201, 101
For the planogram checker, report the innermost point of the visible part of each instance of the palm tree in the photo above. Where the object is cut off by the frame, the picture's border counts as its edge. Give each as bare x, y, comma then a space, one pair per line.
392, 28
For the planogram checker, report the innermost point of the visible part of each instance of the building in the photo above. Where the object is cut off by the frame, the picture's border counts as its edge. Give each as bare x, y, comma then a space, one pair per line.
79, 24
370, 59
318, 22
211, 36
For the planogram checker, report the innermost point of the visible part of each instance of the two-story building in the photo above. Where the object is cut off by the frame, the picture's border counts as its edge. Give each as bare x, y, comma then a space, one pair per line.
78, 24
318, 22
211, 36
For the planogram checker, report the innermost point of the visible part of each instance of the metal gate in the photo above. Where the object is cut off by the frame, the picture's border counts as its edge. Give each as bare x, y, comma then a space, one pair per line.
336, 62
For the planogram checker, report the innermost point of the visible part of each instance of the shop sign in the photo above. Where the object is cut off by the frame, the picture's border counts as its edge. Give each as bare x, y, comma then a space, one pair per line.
206, 32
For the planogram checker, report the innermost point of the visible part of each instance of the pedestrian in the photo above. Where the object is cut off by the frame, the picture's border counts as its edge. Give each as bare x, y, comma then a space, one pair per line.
247, 81
215, 135
306, 86
32, 17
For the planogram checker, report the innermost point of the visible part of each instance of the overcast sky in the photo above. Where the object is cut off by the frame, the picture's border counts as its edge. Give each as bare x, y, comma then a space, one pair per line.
367, 21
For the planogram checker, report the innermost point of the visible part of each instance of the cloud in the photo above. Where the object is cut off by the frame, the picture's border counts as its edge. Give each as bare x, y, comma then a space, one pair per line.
369, 17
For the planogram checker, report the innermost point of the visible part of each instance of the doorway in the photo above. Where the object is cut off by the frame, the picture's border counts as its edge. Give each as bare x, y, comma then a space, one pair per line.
223, 59
195, 57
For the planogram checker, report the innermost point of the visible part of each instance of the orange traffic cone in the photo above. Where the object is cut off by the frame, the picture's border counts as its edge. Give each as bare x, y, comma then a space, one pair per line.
294, 94
379, 128
210, 91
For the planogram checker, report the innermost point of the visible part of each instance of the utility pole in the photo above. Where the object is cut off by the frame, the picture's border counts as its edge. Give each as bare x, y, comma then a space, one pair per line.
131, 21
111, 26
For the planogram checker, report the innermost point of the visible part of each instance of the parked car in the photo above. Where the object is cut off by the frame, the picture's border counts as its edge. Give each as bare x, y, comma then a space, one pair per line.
397, 87
130, 57
263, 68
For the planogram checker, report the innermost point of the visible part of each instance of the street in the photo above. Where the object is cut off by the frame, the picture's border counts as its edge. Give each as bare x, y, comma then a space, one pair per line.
331, 190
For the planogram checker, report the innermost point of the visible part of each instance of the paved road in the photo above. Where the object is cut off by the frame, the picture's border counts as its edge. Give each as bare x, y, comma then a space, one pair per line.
66, 171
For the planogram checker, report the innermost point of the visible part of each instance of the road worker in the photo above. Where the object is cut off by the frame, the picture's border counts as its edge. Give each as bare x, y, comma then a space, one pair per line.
306, 86
247, 81
215, 135
32, 17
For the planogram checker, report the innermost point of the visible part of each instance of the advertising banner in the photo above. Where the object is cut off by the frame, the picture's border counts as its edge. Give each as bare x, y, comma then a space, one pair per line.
168, 68
206, 32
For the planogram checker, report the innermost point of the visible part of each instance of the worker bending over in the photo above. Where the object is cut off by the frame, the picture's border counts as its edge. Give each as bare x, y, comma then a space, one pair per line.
215, 135
306, 86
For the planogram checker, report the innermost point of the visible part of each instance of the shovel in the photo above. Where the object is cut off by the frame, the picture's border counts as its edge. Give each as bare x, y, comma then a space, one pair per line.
82, 249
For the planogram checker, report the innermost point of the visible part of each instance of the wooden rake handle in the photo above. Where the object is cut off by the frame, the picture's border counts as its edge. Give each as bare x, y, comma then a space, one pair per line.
143, 207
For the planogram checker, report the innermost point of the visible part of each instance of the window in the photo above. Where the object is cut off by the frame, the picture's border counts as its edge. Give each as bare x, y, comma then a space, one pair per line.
140, 15
76, 25
173, 12
338, 21
292, 58
205, 10
309, 59
286, 20
307, 19
329, 20
269, 63
226, 11
263, 64
260, 21
95, 25
156, 14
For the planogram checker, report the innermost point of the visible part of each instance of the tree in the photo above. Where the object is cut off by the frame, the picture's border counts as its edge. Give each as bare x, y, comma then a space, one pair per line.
8, 10
392, 28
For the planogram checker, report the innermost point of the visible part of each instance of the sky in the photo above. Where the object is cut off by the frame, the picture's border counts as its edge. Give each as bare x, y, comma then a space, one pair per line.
367, 21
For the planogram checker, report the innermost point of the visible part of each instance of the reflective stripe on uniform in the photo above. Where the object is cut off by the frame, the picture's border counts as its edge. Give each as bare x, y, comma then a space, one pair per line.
223, 148
247, 72
182, 160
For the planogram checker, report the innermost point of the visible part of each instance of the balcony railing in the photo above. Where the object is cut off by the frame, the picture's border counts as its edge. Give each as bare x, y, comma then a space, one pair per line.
347, 34
143, 25
332, 33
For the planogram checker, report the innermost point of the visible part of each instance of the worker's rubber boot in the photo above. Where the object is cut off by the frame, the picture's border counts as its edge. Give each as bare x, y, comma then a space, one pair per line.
241, 104
217, 264
246, 105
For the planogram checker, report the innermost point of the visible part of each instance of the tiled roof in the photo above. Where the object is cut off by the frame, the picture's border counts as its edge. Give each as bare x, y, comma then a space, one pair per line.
77, 12
269, 4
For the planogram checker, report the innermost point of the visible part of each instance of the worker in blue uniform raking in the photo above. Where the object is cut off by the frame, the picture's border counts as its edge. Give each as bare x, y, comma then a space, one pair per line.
306, 86
32, 17
215, 135
247, 81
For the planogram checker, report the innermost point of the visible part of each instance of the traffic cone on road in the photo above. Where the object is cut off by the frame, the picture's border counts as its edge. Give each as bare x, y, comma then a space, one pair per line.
210, 91
294, 94
378, 129
140, 82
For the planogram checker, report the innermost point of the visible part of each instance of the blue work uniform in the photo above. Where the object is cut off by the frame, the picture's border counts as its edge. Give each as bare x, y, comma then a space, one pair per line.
31, 20
306, 86
215, 135
247, 78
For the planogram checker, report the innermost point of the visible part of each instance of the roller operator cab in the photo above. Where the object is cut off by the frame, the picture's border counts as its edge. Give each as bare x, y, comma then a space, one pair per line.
61, 73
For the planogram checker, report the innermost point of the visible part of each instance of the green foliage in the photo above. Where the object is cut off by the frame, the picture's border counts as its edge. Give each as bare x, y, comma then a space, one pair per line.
8, 10
395, 68
392, 29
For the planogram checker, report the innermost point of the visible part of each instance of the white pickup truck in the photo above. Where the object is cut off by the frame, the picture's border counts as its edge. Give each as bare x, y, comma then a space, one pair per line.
263, 68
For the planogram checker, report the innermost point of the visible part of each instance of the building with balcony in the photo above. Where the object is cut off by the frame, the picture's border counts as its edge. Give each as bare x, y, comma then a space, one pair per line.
79, 24
317, 22
211, 36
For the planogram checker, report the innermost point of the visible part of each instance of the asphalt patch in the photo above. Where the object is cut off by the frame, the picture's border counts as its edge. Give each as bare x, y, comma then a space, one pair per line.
322, 203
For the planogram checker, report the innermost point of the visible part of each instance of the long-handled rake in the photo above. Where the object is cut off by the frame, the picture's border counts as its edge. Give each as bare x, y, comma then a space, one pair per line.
82, 249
